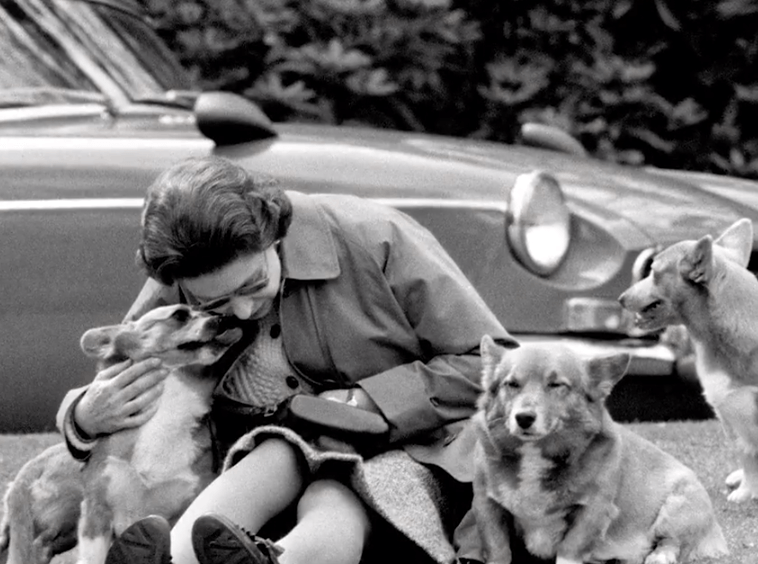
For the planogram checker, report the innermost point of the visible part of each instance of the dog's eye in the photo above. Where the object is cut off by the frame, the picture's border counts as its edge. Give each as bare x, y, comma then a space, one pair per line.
557, 385
181, 315
512, 384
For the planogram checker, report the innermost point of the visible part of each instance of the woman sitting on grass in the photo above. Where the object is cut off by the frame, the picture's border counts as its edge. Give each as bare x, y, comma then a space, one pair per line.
353, 301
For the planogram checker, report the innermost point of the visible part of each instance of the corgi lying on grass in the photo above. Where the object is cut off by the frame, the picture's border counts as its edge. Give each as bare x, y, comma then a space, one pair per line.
552, 467
705, 286
158, 468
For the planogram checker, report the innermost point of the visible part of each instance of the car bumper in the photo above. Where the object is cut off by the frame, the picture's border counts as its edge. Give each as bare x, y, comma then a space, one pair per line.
647, 358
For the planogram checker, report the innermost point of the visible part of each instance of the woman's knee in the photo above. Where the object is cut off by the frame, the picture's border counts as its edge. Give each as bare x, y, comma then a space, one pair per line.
273, 456
259, 486
334, 501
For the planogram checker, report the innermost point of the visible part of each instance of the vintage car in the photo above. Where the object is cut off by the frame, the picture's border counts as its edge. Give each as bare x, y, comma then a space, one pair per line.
93, 106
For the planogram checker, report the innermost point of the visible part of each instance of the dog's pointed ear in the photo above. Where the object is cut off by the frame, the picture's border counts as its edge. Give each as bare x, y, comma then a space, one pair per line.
697, 264
492, 354
98, 342
605, 372
112, 341
738, 241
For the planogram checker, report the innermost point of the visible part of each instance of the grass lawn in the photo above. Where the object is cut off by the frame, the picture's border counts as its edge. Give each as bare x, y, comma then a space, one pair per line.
701, 445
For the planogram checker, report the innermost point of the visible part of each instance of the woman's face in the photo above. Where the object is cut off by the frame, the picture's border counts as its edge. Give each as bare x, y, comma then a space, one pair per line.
245, 288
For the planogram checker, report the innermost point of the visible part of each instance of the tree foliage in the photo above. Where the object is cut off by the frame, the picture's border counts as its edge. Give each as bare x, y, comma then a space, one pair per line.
653, 81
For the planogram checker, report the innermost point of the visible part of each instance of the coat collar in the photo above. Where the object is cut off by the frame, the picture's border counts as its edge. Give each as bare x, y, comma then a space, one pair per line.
308, 250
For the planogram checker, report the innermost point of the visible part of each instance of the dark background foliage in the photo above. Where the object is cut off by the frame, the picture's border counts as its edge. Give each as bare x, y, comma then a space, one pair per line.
671, 84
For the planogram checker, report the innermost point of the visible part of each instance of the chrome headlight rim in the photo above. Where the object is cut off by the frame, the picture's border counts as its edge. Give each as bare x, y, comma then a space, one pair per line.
536, 208
643, 263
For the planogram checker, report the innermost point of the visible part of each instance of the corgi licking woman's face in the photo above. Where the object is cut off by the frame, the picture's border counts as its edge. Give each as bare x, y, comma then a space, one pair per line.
176, 334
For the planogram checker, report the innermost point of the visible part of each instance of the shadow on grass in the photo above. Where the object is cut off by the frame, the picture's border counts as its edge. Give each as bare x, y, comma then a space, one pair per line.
651, 398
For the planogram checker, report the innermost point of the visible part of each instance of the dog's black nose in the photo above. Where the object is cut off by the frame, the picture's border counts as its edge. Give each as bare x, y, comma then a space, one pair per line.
525, 420
229, 322
224, 323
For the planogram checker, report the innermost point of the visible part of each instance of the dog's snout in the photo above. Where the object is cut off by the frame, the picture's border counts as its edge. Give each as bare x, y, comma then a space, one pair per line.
213, 323
526, 419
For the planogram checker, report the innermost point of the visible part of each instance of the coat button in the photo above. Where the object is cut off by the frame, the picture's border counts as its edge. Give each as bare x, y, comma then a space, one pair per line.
275, 331
292, 382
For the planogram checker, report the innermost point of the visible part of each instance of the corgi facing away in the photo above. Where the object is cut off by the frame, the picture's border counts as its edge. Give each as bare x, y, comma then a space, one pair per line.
553, 467
157, 468
705, 286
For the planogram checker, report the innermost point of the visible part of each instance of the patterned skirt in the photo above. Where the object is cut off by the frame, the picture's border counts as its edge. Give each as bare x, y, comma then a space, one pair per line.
412, 498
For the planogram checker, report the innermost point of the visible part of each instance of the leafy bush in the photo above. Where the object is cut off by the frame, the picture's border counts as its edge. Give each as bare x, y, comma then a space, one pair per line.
401, 64
658, 82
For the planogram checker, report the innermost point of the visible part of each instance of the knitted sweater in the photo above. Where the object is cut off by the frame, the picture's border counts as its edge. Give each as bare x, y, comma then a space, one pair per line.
262, 377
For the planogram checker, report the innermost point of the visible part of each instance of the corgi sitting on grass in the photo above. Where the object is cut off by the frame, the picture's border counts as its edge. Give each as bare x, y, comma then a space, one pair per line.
554, 469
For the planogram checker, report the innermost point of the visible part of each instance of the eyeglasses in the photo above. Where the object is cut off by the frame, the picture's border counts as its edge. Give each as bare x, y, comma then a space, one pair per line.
250, 289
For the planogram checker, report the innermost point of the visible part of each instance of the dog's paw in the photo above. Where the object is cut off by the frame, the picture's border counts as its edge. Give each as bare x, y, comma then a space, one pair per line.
742, 494
663, 555
734, 479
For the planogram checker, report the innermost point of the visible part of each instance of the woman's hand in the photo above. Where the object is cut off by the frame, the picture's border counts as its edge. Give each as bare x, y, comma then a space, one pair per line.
121, 396
356, 397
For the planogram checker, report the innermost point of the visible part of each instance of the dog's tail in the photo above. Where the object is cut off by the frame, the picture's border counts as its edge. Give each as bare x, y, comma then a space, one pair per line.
711, 545
41, 508
5, 528
17, 528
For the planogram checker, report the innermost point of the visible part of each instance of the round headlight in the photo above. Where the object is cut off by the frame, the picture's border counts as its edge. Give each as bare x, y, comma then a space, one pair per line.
539, 222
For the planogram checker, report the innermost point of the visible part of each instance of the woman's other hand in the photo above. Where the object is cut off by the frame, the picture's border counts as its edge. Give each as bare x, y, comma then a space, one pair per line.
355, 397
122, 396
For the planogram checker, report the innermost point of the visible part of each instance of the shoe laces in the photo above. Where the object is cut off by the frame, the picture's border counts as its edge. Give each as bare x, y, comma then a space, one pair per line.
267, 546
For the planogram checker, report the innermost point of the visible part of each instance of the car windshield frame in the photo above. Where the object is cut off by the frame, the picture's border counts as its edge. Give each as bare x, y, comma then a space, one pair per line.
83, 51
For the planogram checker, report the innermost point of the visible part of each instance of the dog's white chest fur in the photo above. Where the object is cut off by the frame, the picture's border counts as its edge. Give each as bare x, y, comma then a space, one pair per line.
530, 497
717, 384
170, 430
736, 405
532, 504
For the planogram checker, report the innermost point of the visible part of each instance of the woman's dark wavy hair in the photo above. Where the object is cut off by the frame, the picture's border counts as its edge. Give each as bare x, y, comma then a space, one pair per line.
202, 213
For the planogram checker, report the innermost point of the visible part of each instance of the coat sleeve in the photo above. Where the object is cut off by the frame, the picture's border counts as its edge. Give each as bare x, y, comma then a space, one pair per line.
449, 318
152, 295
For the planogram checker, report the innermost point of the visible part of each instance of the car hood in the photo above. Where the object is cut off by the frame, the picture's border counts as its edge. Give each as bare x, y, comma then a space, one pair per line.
646, 207
641, 207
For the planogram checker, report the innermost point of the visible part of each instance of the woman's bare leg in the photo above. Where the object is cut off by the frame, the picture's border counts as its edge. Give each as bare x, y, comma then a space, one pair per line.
332, 527
254, 490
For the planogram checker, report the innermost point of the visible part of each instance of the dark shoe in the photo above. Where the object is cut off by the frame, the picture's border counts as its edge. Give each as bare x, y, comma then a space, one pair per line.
217, 540
147, 541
